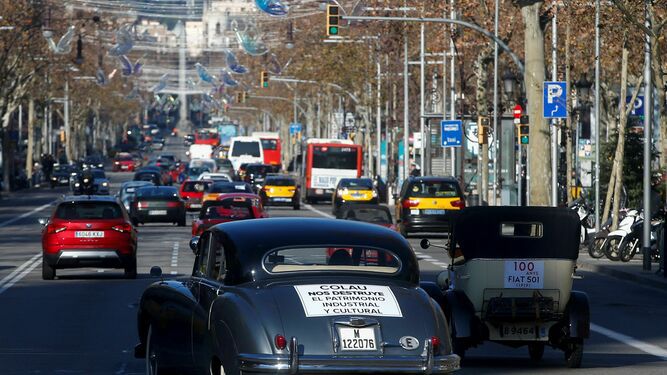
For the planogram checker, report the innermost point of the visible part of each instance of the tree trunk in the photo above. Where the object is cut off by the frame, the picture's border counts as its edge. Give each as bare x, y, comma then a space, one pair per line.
539, 147
31, 137
480, 67
620, 146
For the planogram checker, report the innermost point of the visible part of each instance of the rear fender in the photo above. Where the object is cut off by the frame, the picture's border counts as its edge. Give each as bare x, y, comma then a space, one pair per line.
461, 314
242, 325
618, 233
578, 315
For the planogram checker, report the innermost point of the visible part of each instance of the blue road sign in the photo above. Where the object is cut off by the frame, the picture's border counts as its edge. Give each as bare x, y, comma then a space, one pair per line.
638, 108
294, 128
555, 100
451, 132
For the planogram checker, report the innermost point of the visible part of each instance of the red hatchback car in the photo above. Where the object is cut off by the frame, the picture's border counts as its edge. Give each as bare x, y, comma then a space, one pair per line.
89, 231
192, 191
124, 162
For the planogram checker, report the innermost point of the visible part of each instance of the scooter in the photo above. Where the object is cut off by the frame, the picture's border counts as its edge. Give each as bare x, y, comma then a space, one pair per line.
633, 241
598, 242
585, 218
614, 242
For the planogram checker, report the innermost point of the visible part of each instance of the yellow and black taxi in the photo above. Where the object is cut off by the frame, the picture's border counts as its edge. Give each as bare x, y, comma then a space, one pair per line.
280, 190
427, 204
353, 191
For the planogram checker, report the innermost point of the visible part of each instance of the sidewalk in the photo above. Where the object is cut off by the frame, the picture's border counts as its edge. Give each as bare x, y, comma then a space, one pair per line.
630, 271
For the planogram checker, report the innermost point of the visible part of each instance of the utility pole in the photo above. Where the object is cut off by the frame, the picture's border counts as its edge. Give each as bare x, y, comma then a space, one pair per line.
421, 101
495, 107
406, 115
452, 77
597, 115
648, 124
554, 122
378, 119
68, 132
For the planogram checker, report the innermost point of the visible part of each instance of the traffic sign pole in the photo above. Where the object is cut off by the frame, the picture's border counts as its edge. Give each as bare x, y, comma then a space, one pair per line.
517, 121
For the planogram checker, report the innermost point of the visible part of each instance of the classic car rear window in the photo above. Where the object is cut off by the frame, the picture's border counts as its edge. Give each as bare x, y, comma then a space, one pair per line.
342, 259
88, 211
433, 189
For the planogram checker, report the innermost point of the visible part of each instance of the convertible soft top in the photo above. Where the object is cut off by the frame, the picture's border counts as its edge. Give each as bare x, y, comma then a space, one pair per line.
517, 232
246, 242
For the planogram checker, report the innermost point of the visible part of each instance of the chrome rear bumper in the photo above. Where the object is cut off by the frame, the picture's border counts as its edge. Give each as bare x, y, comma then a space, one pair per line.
294, 363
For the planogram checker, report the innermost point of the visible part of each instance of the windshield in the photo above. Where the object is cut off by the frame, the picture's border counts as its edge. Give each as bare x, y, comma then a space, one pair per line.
340, 259
98, 173
328, 157
251, 148
195, 186
433, 189
357, 184
229, 187
280, 181
157, 192
269, 144
88, 211
206, 135
63, 168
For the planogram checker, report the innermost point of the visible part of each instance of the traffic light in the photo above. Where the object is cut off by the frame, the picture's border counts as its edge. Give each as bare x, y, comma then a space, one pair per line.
332, 19
264, 80
241, 97
482, 130
523, 134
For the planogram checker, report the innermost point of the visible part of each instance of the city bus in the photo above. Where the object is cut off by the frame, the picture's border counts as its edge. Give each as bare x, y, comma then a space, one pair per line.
271, 147
207, 137
325, 162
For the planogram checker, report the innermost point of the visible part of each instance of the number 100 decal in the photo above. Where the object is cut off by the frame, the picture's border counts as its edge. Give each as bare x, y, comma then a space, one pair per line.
524, 274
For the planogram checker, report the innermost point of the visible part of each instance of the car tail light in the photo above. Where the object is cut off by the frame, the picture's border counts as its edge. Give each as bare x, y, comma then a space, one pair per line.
435, 341
142, 204
173, 204
123, 228
459, 203
52, 229
281, 342
407, 203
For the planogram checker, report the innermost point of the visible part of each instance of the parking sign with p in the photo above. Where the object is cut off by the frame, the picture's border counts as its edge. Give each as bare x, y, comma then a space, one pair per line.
555, 100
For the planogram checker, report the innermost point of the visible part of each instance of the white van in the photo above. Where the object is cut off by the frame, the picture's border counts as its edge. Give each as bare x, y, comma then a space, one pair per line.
245, 150
199, 151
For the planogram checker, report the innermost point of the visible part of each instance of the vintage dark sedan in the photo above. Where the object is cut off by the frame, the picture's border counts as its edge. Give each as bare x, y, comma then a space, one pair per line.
276, 303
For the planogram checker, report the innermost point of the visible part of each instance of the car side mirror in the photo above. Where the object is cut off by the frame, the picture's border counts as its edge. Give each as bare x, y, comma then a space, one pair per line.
156, 272
194, 244
425, 243
43, 221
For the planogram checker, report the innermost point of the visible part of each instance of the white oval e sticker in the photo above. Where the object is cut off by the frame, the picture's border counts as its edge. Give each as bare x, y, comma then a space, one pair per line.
409, 343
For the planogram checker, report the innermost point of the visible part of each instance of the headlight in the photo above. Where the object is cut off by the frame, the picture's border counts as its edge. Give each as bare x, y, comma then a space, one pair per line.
53, 178
116, 162
100, 165
85, 180
339, 193
375, 193
105, 184
77, 184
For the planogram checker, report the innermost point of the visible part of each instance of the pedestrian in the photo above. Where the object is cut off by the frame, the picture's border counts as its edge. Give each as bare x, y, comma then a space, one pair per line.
415, 170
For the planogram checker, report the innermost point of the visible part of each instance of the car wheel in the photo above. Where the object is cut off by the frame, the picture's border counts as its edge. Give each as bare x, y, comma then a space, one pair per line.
297, 206
131, 270
595, 247
574, 353
613, 248
48, 272
536, 351
152, 354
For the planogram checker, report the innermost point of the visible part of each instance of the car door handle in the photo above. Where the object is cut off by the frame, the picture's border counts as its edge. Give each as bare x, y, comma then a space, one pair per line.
463, 277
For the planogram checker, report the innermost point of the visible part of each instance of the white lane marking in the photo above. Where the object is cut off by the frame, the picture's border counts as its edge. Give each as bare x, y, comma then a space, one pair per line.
40, 208
36, 262
315, 210
174, 272
174, 255
19, 269
645, 347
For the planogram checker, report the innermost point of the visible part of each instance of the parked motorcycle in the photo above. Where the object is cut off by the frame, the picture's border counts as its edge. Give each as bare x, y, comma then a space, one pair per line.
598, 242
614, 242
585, 218
633, 241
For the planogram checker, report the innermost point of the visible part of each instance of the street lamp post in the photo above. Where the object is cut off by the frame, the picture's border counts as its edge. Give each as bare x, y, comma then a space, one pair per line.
509, 82
583, 88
